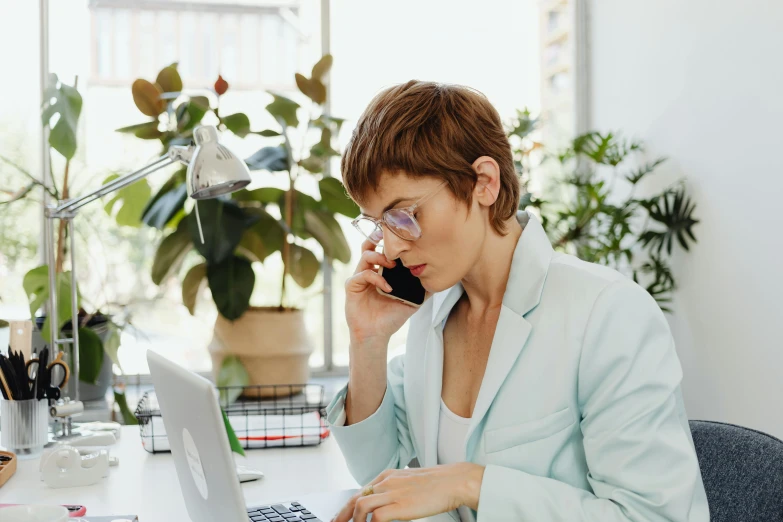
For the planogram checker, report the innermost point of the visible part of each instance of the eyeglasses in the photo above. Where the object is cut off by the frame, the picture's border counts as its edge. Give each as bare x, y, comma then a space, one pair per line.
400, 221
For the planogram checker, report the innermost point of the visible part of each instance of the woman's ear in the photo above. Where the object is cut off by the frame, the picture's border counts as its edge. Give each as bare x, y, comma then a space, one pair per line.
488, 184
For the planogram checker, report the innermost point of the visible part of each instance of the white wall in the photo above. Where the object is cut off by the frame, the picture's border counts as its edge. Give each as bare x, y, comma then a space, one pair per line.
702, 83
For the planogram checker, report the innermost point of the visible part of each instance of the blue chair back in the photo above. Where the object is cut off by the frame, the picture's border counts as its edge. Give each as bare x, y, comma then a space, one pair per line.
742, 470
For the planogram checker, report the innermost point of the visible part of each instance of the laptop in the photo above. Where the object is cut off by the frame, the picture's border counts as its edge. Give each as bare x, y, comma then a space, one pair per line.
203, 458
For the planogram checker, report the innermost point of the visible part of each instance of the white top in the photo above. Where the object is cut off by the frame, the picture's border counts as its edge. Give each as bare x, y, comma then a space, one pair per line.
452, 430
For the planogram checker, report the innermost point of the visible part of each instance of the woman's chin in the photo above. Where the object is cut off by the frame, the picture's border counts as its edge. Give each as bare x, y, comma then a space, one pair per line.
433, 286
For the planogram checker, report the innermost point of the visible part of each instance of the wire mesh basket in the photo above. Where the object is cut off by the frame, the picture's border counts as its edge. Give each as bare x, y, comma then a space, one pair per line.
264, 416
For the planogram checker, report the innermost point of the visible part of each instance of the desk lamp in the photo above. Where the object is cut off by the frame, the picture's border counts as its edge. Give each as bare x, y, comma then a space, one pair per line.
213, 170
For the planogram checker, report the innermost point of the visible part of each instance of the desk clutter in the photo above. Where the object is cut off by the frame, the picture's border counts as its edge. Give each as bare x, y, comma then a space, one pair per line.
28, 386
264, 416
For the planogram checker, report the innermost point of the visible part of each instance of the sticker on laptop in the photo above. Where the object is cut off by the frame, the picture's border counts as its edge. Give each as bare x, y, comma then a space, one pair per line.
194, 463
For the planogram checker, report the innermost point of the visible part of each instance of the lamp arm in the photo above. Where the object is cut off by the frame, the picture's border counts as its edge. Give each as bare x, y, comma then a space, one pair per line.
123, 181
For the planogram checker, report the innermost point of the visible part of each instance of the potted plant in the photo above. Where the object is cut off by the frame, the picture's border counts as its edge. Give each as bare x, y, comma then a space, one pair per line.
99, 334
255, 345
594, 212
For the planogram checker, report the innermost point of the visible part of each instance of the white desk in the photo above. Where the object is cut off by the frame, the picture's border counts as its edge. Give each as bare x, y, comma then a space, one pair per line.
146, 485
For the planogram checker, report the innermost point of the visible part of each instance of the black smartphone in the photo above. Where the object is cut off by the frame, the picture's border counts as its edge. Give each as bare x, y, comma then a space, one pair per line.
406, 287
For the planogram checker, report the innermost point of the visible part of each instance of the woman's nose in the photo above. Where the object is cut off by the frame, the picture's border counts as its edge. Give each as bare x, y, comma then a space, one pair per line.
393, 245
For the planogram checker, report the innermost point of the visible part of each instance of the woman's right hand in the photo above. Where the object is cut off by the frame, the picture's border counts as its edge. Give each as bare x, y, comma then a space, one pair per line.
370, 315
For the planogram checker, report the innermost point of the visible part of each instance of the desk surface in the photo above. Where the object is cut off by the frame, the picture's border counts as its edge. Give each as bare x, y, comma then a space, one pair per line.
146, 485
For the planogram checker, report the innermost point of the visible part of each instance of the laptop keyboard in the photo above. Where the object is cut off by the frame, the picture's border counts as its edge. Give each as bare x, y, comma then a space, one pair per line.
293, 512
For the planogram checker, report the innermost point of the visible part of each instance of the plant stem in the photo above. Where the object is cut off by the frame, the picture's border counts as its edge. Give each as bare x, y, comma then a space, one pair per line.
289, 213
61, 229
289, 218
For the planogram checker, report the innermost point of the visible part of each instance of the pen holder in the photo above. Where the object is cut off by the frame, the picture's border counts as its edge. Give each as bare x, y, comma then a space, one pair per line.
24, 426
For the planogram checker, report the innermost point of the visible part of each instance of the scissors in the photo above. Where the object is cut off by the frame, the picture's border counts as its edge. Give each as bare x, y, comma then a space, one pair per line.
46, 385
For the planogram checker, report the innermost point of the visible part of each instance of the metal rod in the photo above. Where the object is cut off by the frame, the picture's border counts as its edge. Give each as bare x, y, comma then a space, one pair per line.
75, 204
74, 315
327, 263
46, 175
50, 261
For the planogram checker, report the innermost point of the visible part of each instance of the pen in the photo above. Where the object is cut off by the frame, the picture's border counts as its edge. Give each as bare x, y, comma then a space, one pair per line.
5, 389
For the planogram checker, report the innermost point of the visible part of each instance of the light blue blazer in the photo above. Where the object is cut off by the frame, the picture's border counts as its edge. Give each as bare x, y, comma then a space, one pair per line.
579, 416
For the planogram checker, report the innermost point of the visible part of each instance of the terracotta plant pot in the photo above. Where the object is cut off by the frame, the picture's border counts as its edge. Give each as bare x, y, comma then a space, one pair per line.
272, 344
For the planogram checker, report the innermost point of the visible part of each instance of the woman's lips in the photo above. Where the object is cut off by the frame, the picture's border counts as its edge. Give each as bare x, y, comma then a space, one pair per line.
417, 269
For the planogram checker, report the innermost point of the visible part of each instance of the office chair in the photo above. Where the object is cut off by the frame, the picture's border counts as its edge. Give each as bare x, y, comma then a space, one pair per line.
742, 470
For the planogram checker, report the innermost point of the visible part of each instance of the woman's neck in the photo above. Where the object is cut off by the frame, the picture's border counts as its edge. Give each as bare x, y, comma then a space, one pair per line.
485, 283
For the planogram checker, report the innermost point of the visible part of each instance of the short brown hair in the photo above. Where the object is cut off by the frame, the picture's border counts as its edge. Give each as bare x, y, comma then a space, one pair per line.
431, 129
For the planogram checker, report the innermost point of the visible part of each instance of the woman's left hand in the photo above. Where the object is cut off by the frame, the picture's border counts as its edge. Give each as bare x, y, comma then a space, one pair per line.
409, 494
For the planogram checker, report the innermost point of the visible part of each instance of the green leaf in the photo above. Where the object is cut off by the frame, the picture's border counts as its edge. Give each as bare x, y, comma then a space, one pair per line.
112, 344
90, 355
171, 252
145, 131
231, 282
161, 212
252, 246
335, 198
313, 164
132, 200
637, 175
169, 80
303, 265
524, 124
237, 123
168, 201
324, 148
273, 159
325, 120
147, 98
191, 286
67, 102
232, 373
326, 230
268, 133
263, 195
302, 202
322, 67
673, 209
270, 232
190, 113
36, 286
312, 88
233, 441
127, 415
284, 110
223, 224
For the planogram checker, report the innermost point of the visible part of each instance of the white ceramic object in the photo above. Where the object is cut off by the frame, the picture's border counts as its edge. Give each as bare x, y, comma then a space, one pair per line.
66, 467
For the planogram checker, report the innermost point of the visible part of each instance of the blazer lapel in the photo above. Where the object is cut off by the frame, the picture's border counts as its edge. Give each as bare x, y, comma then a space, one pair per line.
525, 284
511, 335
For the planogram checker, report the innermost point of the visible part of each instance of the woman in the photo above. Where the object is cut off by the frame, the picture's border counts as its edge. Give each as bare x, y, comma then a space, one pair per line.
534, 386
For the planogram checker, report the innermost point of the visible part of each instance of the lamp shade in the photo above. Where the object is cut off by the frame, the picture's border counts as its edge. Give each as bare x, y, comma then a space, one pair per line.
213, 170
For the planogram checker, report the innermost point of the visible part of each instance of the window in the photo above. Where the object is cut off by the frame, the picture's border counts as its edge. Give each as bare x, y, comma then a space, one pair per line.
238, 40
20, 143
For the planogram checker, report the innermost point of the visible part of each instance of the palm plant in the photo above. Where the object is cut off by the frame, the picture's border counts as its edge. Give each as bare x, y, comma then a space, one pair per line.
587, 215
